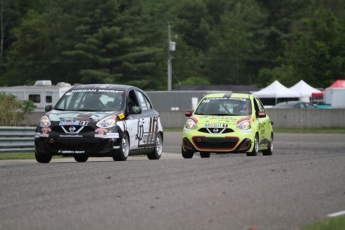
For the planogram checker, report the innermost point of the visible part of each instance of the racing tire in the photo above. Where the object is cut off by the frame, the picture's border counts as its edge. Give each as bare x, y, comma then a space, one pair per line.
43, 158
187, 154
205, 154
80, 158
122, 155
269, 150
255, 150
158, 149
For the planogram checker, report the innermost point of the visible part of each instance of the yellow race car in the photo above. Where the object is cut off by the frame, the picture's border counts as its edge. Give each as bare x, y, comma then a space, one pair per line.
227, 123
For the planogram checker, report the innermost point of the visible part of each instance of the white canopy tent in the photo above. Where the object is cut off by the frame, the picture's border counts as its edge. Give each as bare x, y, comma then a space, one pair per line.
304, 90
276, 90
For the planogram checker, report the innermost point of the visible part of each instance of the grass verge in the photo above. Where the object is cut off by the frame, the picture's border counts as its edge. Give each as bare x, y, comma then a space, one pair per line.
21, 156
334, 223
17, 156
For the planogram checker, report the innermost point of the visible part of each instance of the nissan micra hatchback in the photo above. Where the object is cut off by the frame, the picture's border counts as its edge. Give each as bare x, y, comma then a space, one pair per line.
100, 120
227, 123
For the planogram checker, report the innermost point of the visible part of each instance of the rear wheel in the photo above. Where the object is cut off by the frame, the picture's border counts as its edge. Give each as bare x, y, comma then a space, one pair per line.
255, 150
43, 158
187, 154
80, 158
205, 154
157, 151
269, 150
124, 149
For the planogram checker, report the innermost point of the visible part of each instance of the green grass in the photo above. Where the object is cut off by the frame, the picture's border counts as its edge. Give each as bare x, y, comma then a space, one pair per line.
16, 156
21, 156
335, 223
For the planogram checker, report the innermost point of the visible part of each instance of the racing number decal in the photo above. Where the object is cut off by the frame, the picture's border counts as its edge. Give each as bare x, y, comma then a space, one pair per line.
153, 130
140, 129
146, 135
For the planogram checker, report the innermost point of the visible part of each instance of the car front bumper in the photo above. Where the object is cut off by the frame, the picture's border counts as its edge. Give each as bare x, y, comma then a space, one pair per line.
235, 142
87, 143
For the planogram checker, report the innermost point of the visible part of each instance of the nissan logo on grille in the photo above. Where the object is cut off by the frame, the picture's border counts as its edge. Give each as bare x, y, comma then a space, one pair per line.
215, 130
72, 129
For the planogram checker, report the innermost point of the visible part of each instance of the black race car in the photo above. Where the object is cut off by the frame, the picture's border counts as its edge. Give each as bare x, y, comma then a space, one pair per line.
100, 120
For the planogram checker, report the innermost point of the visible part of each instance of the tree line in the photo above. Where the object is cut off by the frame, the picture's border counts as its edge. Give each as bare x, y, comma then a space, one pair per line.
237, 42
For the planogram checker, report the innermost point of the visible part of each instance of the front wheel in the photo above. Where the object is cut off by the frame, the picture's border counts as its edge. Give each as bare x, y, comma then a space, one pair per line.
269, 150
157, 151
122, 155
187, 154
255, 150
80, 158
43, 158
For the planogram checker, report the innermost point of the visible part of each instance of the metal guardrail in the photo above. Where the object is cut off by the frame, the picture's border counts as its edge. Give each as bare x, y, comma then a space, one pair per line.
16, 139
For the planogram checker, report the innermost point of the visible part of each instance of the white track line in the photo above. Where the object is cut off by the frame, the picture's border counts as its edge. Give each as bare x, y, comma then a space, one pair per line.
336, 214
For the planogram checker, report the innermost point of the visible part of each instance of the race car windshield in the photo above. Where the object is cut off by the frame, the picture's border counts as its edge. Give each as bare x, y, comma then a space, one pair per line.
91, 100
224, 106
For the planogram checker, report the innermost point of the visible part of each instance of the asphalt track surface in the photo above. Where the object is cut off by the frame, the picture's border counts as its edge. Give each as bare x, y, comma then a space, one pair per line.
304, 181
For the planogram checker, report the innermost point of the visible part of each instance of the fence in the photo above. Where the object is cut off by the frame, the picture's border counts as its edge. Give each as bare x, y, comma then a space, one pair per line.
16, 139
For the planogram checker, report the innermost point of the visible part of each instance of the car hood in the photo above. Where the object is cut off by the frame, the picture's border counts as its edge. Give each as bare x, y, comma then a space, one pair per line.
211, 120
56, 115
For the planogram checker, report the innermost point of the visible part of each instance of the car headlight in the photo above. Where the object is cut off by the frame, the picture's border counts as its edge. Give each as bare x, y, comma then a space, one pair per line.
244, 125
44, 121
107, 122
190, 124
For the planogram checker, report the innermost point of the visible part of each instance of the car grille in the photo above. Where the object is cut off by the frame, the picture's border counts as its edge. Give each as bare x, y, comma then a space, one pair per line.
85, 129
215, 143
216, 130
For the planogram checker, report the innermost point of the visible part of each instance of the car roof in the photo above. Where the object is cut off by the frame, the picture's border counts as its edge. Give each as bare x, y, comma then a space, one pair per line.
105, 86
287, 103
290, 104
230, 94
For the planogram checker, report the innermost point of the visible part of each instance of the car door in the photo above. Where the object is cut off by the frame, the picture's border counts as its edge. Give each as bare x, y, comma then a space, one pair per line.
132, 122
148, 122
264, 122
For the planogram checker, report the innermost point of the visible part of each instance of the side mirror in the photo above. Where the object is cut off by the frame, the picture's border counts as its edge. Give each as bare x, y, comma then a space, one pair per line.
188, 113
135, 110
261, 114
48, 108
